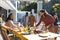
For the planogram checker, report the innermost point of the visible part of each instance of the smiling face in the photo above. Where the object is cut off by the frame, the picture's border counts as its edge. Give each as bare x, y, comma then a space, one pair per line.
41, 13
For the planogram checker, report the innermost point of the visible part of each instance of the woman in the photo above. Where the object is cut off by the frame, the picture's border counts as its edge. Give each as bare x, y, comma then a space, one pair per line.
56, 19
46, 18
25, 20
9, 21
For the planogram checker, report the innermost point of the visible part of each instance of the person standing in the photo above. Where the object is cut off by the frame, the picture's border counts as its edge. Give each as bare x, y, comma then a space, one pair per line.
25, 19
47, 19
32, 20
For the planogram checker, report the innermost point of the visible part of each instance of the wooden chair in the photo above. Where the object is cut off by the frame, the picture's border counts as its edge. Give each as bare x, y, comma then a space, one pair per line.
4, 35
53, 29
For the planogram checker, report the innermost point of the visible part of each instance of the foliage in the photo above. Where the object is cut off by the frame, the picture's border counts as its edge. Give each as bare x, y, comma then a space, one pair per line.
56, 9
30, 7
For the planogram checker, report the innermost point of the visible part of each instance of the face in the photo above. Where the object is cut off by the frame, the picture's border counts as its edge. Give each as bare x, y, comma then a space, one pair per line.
12, 16
55, 16
41, 13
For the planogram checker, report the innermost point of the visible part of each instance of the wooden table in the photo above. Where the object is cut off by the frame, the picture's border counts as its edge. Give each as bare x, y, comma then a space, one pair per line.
31, 36
34, 37
51, 36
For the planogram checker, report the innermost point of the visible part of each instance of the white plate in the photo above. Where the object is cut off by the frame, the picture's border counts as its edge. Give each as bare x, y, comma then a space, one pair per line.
25, 33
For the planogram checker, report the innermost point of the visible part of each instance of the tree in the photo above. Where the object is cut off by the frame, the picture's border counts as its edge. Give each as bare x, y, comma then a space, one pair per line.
56, 9
30, 7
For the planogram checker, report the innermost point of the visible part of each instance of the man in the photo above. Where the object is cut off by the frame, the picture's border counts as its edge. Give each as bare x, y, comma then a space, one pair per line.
25, 19
32, 20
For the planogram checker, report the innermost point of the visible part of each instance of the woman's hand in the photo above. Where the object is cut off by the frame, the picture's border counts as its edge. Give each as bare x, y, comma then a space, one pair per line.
34, 28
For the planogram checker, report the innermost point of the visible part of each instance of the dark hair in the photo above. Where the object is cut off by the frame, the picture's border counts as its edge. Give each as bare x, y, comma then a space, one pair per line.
30, 12
26, 13
9, 17
43, 11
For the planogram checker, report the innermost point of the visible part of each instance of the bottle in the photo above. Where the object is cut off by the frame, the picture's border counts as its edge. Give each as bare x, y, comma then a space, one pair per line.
26, 29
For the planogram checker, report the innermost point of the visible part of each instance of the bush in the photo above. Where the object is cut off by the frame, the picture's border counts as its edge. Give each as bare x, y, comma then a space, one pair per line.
30, 7
56, 9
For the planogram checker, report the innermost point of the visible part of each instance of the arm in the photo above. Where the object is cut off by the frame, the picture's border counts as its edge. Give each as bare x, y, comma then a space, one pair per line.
12, 24
34, 19
38, 22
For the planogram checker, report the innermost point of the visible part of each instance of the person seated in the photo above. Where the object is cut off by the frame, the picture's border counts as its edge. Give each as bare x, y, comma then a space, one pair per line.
9, 21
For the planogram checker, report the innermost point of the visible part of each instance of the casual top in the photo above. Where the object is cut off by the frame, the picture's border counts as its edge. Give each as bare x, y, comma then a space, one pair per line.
55, 23
10, 24
48, 19
32, 20
25, 20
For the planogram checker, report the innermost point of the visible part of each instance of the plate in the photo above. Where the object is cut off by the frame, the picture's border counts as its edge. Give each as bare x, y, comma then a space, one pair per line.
41, 35
25, 33
45, 34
